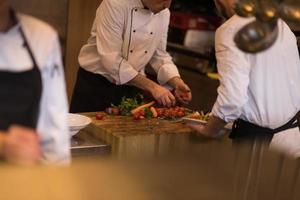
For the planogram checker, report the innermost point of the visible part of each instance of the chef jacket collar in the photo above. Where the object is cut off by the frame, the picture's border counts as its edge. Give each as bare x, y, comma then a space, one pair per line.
142, 6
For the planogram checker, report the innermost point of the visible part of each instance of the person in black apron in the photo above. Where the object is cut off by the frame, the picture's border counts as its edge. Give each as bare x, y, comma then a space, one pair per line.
20, 95
93, 92
112, 63
257, 91
245, 131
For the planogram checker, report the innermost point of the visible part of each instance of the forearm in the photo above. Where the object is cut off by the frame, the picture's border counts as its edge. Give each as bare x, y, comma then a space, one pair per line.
173, 82
142, 82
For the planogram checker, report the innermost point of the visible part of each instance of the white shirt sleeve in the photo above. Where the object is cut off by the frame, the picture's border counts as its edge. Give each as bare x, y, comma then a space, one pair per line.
161, 61
234, 69
53, 125
109, 29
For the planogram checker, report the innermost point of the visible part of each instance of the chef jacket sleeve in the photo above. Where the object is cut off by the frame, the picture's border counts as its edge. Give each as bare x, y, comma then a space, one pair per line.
109, 28
161, 61
53, 124
234, 69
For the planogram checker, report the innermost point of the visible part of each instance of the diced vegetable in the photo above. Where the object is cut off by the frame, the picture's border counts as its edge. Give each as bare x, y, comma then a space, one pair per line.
100, 116
154, 113
139, 115
115, 111
128, 104
137, 108
200, 116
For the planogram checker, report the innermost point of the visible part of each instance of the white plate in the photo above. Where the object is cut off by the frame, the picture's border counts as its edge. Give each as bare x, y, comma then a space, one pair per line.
203, 122
77, 122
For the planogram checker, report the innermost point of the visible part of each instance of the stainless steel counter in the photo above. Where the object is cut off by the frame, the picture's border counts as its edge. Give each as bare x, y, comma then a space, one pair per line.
84, 144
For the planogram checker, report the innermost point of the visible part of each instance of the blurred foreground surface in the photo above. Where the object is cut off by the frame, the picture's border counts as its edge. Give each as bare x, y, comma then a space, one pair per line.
216, 172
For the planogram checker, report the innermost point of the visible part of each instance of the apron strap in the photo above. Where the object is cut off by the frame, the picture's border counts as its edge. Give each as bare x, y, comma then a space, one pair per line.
244, 129
298, 120
26, 43
35, 65
294, 122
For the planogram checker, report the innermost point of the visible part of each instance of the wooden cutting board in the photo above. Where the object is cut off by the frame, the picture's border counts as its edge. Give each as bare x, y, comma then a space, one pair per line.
122, 126
148, 137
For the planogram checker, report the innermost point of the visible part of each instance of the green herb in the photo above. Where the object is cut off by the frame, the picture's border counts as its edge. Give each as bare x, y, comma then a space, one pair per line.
148, 113
128, 104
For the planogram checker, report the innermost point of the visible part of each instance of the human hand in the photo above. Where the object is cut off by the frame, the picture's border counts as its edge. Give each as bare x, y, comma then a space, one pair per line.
163, 96
202, 130
21, 146
182, 91
213, 128
199, 128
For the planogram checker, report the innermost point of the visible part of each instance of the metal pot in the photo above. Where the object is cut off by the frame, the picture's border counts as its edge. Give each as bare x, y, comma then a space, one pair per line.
245, 8
256, 36
290, 11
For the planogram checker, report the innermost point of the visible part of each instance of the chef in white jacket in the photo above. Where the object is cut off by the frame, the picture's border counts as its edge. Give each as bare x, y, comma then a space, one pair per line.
33, 103
260, 92
126, 36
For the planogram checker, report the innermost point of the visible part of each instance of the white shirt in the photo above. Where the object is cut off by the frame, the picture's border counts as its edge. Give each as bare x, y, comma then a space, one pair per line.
52, 123
125, 37
262, 88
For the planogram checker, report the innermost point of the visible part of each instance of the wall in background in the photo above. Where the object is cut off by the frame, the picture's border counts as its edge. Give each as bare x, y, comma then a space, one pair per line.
54, 12
80, 20
72, 19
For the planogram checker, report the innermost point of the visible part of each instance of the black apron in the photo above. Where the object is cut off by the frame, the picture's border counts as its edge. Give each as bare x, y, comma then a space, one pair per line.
243, 130
20, 94
93, 92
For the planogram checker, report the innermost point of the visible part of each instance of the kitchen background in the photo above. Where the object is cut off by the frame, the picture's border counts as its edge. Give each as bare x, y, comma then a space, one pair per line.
191, 39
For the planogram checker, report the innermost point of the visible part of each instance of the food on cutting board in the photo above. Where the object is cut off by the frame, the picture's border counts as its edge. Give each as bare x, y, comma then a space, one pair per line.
126, 106
100, 115
199, 116
142, 107
202, 118
139, 109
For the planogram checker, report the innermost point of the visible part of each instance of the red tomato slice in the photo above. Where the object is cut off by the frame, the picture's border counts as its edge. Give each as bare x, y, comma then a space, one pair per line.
115, 111
100, 116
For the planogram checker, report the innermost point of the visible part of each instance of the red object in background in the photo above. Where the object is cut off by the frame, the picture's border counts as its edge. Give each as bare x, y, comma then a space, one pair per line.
139, 115
100, 116
187, 21
115, 111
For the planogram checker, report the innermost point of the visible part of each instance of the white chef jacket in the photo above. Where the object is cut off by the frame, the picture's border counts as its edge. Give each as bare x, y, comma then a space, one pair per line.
262, 88
43, 40
125, 37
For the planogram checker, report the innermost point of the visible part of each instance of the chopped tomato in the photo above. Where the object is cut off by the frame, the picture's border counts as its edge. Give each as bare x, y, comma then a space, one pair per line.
177, 108
180, 114
115, 111
166, 113
136, 116
173, 113
100, 116
142, 113
182, 109
159, 112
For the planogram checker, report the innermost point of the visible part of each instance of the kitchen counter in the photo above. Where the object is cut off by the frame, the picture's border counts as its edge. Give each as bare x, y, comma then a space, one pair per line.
84, 144
148, 137
213, 174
